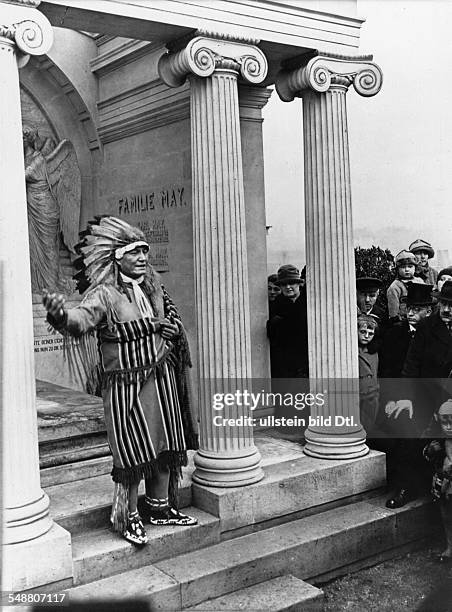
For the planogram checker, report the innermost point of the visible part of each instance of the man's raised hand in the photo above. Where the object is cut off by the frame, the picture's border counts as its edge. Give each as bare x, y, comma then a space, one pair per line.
54, 304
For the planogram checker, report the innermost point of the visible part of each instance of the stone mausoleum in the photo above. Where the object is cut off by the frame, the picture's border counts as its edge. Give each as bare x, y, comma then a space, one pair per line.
151, 111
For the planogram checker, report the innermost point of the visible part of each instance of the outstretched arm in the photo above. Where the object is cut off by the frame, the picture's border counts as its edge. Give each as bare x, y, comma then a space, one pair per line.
76, 321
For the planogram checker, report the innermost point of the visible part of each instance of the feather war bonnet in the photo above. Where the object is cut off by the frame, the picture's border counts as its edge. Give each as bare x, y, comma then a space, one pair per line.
98, 248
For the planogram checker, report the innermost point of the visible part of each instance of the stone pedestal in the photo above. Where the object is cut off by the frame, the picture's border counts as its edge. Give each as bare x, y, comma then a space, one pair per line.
227, 456
26, 507
333, 347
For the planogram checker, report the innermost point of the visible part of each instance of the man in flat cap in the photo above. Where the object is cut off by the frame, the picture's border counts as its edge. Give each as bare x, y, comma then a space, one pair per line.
367, 292
423, 251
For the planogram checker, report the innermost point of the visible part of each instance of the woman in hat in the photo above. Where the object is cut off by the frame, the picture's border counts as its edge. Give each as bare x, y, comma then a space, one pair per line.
287, 327
423, 251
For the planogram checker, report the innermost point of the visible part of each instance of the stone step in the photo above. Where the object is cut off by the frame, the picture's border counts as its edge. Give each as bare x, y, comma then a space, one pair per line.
323, 544
281, 594
86, 504
291, 489
102, 552
77, 470
81, 492
74, 450
64, 413
293, 486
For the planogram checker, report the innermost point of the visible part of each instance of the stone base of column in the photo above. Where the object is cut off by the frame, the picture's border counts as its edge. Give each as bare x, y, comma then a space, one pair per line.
37, 562
341, 446
214, 469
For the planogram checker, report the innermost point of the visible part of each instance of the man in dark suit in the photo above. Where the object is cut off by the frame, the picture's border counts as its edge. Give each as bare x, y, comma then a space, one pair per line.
397, 339
427, 371
403, 461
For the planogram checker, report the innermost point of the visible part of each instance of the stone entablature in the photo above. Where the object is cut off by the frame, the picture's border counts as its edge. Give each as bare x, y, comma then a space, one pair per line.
287, 25
152, 104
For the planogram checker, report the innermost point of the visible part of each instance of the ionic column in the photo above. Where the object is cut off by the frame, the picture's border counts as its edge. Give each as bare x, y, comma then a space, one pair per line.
227, 456
333, 347
28, 532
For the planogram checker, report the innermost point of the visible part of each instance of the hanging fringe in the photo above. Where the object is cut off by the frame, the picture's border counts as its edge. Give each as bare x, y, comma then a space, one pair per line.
137, 375
171, 460
120, 507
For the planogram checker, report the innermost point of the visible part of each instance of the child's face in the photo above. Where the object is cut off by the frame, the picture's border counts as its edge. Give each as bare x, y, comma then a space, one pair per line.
442, 279
273, 291
445, 422
365, 334
406, 271
421, 257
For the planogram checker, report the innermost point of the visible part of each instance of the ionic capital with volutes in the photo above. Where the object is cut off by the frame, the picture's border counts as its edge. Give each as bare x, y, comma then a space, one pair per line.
206, 53
25, 28
327, 71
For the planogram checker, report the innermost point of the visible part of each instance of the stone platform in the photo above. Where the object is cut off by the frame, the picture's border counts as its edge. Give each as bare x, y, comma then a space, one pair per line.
266, 546
307, 521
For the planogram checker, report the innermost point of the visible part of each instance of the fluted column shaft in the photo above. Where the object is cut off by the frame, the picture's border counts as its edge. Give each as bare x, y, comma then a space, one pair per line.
227, 454
331, 293
26, 514
35, 550
335, 430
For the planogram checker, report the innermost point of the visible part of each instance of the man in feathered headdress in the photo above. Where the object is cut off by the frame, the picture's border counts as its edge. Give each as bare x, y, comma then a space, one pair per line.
144, 356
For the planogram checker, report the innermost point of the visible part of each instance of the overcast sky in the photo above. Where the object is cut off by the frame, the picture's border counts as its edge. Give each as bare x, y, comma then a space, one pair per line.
400, 140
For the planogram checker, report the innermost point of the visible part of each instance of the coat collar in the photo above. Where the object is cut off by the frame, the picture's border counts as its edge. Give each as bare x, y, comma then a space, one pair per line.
440, 331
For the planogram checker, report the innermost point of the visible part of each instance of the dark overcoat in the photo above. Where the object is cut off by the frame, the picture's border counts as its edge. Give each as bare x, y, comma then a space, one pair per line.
428, 369
287, 330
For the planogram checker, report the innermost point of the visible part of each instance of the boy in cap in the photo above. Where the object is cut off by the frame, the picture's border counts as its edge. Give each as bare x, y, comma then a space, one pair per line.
424, 251
405, 263
444, 275
368, 369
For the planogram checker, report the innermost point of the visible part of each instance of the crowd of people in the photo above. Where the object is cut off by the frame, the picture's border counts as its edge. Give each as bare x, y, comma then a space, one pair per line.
405, 368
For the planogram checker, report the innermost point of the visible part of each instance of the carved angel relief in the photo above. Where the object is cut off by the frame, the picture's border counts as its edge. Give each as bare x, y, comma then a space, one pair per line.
53, 182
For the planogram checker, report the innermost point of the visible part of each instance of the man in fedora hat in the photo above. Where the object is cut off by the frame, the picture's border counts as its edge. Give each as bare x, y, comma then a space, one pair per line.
287, 327
423, 251
427, 371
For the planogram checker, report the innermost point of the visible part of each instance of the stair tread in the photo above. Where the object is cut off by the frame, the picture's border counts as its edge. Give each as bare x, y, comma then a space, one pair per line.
186, 569
134, 584
64, 412
239, 551
275, 595
81, 496
104, 540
